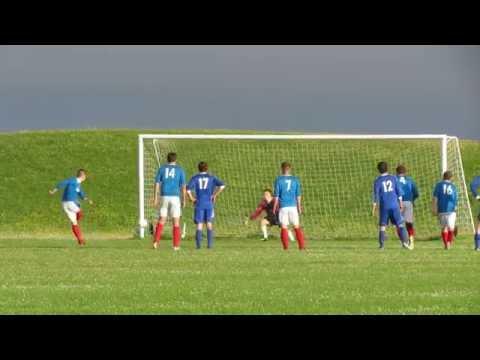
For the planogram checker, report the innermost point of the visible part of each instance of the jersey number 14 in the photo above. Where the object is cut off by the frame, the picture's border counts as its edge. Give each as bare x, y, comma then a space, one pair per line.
169, 173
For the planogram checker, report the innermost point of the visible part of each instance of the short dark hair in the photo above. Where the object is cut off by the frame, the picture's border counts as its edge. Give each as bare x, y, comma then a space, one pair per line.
286, 165
447, 175
202, 166
80, 172
268, 190
171, 157
382, 167
401, 169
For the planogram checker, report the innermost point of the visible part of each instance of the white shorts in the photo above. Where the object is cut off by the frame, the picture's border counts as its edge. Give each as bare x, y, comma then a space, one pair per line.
447, 219
289, 216
170, 206
71, 209
407, 212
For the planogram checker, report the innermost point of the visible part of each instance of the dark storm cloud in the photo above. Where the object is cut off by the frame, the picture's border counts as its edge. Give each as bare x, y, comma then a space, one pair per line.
366, 89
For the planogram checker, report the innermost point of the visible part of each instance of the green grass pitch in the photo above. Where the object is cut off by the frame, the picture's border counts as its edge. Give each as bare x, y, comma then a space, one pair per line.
42, 271
240, 276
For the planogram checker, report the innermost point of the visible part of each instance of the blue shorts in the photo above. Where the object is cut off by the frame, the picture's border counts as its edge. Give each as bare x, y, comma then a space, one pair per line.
201, 216
393, 215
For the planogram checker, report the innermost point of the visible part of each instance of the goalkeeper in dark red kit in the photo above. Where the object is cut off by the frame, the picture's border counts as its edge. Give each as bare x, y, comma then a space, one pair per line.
271, 218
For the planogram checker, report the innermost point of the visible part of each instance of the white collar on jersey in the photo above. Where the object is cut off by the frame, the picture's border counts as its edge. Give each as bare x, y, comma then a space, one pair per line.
78, 181
384, 174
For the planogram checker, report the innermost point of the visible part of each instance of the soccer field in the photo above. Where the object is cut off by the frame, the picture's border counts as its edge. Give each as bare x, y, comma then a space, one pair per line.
42, 271
239, 276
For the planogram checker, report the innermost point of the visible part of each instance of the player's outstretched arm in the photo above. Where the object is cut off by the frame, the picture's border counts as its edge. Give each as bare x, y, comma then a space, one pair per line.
53, 191
374, 209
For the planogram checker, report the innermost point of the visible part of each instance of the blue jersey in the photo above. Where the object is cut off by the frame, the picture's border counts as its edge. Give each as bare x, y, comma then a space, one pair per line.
287, 188
204, 186
408, 187
446, 194
171, 178
387, 192
71, 190
475, 185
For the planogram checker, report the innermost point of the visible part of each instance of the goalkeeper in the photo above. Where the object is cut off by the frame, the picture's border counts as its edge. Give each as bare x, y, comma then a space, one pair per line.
475, 186
266, 205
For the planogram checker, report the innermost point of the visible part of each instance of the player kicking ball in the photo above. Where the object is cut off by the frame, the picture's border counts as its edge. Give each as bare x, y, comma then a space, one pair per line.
444, 205
266, 204
288, 197
72, 192
169, 182
206, 188
410, 194
475, 186
387, 196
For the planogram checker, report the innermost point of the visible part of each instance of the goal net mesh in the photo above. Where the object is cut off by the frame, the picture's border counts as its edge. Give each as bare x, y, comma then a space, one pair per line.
336, 177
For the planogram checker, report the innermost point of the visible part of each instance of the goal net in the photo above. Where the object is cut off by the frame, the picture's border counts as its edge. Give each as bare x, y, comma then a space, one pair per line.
336, 172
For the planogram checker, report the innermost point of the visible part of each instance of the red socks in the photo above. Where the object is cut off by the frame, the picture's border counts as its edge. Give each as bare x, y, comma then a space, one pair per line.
300, 238
175, 233
410, 229
450, 237
78, 234
284, 237
299, 235
158, 232
176, 236
79, 215
445, 238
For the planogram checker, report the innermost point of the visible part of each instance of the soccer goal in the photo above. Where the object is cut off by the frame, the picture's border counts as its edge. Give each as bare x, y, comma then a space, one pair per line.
336, 171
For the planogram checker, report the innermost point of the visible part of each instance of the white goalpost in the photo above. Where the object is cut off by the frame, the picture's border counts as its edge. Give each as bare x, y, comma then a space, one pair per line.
336, 171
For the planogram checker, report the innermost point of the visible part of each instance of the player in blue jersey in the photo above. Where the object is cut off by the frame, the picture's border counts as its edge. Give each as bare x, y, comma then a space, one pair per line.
444, 205
206, 188
475, 186
410, 194
72, 193
288, 197
170, 185
387, 198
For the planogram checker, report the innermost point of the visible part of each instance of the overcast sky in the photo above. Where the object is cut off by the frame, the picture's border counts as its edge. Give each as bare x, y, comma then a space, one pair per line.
348, 89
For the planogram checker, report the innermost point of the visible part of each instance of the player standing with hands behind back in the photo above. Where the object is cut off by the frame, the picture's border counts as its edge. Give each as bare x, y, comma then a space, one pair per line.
288, 196
444, 205
410, 194
169, 182
387, 195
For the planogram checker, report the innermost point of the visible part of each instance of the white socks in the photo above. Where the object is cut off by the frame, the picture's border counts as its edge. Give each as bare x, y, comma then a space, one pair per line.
264, 230
290, 235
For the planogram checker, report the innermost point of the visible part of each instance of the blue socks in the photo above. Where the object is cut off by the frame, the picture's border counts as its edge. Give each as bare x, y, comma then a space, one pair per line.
381, 238
198, 238
210, 238
404, 235
199, 235
477, 241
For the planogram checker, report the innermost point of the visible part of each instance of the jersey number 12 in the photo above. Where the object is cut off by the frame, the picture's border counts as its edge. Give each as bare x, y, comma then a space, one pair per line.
387, 186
